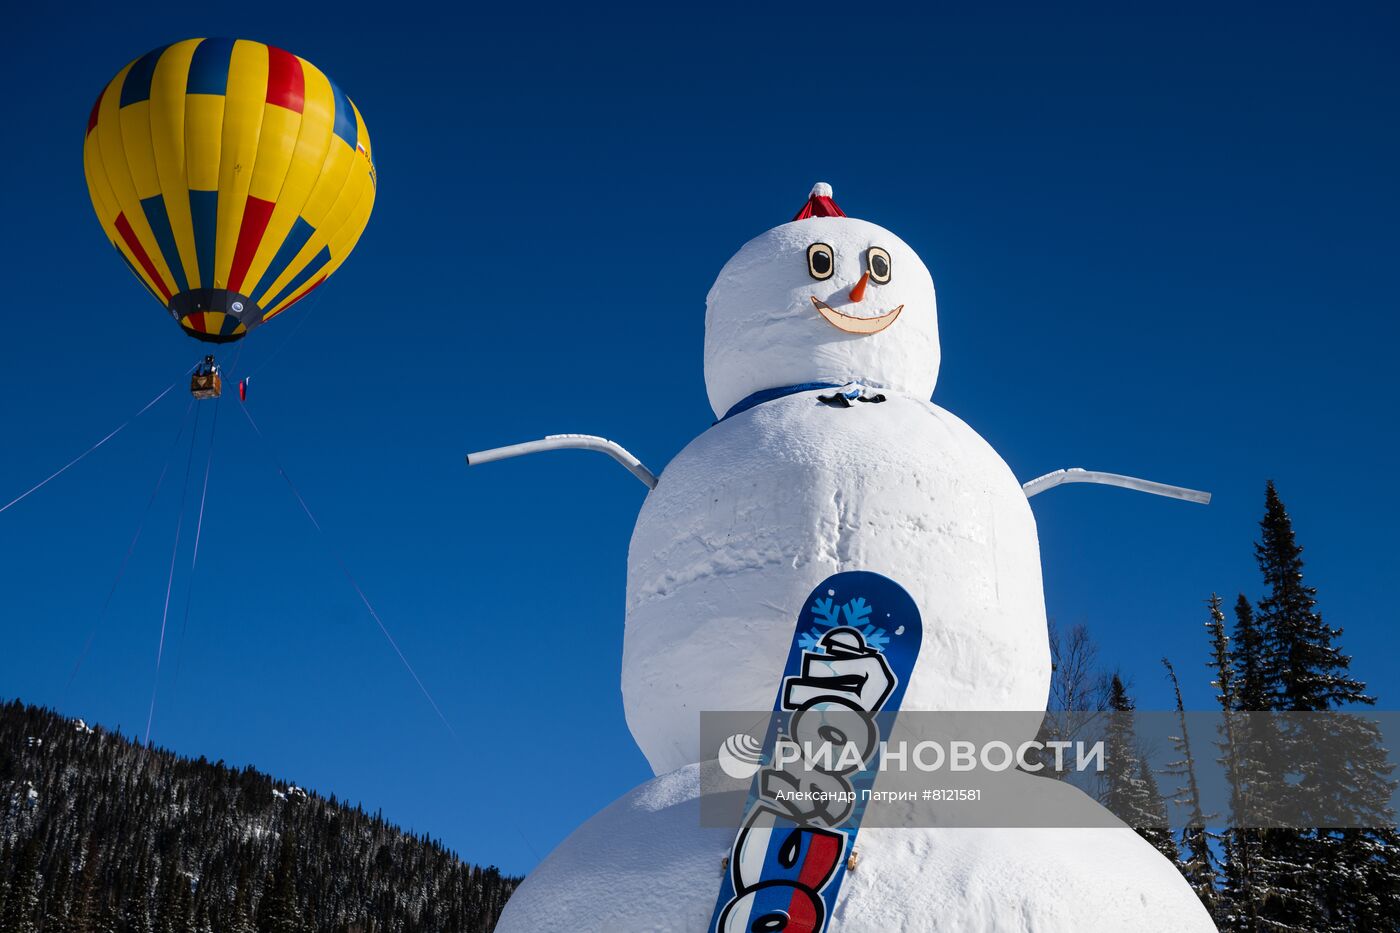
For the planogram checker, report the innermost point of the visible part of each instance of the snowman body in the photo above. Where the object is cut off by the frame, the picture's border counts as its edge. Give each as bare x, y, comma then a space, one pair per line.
766, 504
646, 864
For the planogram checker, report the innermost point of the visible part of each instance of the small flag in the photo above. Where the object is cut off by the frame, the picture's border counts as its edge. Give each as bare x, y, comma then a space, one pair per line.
243, 388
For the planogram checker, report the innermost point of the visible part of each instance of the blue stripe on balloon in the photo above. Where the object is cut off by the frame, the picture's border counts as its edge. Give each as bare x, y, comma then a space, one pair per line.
345, 126
209, 68
204, 215
296, 238
154, 208
137, 86
317, 263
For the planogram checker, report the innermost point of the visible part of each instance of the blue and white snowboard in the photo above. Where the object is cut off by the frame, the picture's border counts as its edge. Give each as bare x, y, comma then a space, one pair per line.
857, 639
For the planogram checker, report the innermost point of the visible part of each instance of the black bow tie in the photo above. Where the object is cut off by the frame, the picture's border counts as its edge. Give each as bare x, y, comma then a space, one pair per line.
842, 400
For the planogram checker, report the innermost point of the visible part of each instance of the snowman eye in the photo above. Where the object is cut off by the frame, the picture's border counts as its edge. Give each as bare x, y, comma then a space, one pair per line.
879, 265
820, 261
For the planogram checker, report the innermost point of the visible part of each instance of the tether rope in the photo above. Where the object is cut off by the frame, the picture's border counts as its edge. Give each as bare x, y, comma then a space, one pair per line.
359, 591
348, 575
63, 469
170, 578
199, 526
130, 548
312, 303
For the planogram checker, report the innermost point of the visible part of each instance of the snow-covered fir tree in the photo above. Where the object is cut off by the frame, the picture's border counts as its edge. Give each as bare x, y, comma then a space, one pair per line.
1305, 668
1247, 656
1131, 790
1237, 908
1198, 862
1290, 660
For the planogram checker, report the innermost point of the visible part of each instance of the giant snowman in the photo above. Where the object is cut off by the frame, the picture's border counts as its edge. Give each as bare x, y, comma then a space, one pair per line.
821, 352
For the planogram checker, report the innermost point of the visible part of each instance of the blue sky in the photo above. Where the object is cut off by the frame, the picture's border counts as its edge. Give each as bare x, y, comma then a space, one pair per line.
1163, 246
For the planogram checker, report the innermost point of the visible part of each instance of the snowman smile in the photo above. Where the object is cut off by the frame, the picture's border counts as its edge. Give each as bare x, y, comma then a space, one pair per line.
852, 324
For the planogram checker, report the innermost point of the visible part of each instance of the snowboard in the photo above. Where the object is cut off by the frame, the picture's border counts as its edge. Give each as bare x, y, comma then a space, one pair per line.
857, 638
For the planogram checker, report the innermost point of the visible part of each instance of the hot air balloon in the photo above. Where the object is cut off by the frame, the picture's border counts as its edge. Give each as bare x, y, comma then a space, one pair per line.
232, 176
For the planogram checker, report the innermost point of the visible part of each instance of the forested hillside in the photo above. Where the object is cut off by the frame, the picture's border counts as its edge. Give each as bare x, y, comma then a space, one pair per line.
99, 834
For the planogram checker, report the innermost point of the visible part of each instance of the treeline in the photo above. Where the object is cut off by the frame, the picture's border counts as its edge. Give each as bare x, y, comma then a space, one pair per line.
99, 834
1276, 654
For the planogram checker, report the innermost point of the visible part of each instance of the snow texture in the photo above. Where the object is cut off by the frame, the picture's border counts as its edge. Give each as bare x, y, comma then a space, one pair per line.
764, 506
762, 331
645, 864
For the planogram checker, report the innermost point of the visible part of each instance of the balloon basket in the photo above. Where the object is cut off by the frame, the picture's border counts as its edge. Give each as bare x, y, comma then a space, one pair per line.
206, 381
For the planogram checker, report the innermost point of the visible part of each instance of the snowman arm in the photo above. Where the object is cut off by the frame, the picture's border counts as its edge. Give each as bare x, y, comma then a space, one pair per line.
1078, 475
565, 442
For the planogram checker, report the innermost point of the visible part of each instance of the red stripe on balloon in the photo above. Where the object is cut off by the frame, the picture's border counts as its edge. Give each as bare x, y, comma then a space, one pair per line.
92, 117
197, 322
313, 287
133, 244
256, 212
286, 85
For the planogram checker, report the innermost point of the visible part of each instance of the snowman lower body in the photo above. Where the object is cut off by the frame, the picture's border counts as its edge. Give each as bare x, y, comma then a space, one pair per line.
647, 864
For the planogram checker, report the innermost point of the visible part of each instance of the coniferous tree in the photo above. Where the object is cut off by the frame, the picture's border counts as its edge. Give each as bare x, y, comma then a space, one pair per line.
1160, 835
83, 917
1267, 876
22, 900
138, 912
1247, 655
56, 896
1319, 879
241, 920
186, 906
1237, 909
201, 922
1198, 863
280, 913
175, 911
109, 915
1304, 667
1122, 754
1259, 864
1131, 790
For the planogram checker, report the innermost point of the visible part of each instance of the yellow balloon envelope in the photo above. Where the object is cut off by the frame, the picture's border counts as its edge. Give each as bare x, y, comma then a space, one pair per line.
233, 178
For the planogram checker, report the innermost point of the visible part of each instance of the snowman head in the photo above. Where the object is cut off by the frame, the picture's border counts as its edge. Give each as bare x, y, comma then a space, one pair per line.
823, 299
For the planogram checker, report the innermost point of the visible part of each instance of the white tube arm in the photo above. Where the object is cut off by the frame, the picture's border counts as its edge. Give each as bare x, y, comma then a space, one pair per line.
568, 442
1078, 475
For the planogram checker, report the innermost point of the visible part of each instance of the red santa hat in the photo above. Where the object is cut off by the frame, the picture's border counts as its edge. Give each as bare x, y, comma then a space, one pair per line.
819, 204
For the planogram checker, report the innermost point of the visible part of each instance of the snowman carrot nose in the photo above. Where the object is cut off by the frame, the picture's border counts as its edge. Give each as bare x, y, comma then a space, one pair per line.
858, 293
